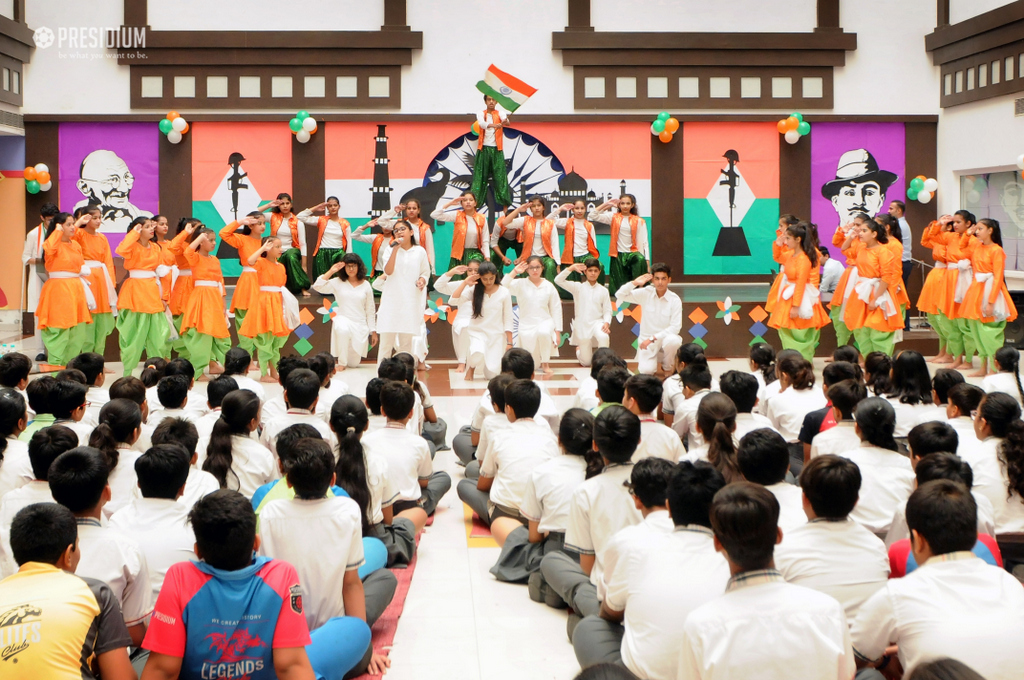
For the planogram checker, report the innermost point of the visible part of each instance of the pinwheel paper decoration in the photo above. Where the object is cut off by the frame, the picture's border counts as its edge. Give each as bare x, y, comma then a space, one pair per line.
515, 325
328, 313
436, 309
624, 309
562, 338
727, 311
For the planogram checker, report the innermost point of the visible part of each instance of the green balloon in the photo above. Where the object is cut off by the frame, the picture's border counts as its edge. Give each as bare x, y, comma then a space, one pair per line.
916, 184
302, 115
799, 116
32, 186
663, 116
658, 126
166, 126
912, 193
295, 124
803, 128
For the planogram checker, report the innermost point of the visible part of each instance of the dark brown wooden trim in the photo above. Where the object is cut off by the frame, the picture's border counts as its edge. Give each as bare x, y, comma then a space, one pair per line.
240, 57
922, 159
16, 30
970, 68
942, 14
42, 145
828, 15
458, 118
794, 179
990, 40
579, 16
667, 203
176, 177
395, 16
136, 12
611, 57
605, 40
974, 26
302, 41
19, 11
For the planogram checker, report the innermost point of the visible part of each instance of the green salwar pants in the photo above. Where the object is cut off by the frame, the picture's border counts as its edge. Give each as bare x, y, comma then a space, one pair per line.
869, 340
64, 344
324, 259
935, 321
243, 342
269, 346
843, 332
987, 337
803, 340
626, 267
297, 281
102, 326
137, 332
489, 165
178, 346
204, 348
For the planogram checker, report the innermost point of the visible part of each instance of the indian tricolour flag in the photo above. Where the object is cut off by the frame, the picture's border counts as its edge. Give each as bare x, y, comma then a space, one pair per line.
508, 90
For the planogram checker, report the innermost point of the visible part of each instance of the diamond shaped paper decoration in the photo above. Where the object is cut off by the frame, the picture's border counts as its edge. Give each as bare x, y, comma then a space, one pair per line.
698, 331
758, 329
303, 347
698, 341
304, 332
758, 313
635, 329
698, 316
305, 316
756, 341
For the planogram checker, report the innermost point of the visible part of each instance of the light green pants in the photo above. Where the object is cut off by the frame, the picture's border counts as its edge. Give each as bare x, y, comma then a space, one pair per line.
869, 340
949, 331
203, 349
269, 347
137, 331
987, 337
179, 345
625, 267
64, 344
243, 342
970, 346
935, 321
102, 325
803, 340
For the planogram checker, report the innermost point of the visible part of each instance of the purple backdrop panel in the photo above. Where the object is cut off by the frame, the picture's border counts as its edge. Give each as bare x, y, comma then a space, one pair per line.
855, 167
115, 165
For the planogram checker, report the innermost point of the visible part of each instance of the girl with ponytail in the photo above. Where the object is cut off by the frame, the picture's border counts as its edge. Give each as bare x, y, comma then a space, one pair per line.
716, 420
762, 365
887, 478
546, 503
1007, 380
797, 312
987, 305
231, 455
795, 400
895, 245
871, 307
680, 411
489, 333
998, 462
15, 467
119, 428
878, 373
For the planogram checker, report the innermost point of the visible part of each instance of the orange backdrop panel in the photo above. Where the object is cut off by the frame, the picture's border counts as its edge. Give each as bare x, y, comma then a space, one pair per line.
756, 143
267, 148
349, 148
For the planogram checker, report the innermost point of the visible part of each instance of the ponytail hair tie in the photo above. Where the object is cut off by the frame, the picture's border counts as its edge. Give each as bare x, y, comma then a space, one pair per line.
349, 429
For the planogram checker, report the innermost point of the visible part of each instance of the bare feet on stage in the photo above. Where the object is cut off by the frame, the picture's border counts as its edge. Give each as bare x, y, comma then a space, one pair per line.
203, 378
216, 368
469, 374
254, 366
960, 363
268, 379
423, 366
108, 370
306, 293
461, 368
943, 358
340, 367
546, 370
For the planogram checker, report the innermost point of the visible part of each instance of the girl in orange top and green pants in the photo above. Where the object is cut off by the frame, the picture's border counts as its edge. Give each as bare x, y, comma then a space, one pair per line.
987, 305
846, 239
871, 311
64, 301
204, 325
182, 288
142, 324
797, 312
244, 236
960, 253
100, 263
932, 300
271, 319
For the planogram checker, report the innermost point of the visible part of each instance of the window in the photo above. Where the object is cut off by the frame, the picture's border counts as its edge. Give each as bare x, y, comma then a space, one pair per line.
782, 88
983, 75
7, 80
16, 82
689, 87
593, 87
719, 88
347, 86
750, 88
959, 82
970, 79
947, 86
185, 86
281, 86
315, 86
1008, 68
995, 72
152, 86
996, 195
379, 86
657, 88
625, 88
813, 88
249, 87
216, 87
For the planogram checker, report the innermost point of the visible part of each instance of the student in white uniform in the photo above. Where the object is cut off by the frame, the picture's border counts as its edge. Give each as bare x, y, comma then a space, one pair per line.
716, 422
682, 415
78, 481
218, 388
69, 404
14, 371
762, 367
134, 390
119, 428
236, 365
763, 458
586, 394
195, 401
954, 605
998, 459
591, 324
643, 394
32, 259
831, 553
600, 507
199, 482
155, 520
232, 456
794, 401
672, 396
490, 323
611, 387
540, 311
463, 307
91, 365
725, 637
742, 388
887, 477
172, 394
332, 387
354, 324
661, 320
403, 296
773, 387
844, 397
653, 603
15, 466
1007, 380
301, 394
911, 393
962, 404
943, 381
495, 425
275, 407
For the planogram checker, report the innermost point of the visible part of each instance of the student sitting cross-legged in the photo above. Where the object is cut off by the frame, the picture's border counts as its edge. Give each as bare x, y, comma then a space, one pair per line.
515, 453
301, 394
643, 394
611, 387
742, 388
843, 399
494, 426
286, 451
229, 598
322, 538
231, 455
678, 572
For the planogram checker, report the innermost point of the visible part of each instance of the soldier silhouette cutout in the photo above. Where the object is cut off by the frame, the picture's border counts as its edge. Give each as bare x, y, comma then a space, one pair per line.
732, 242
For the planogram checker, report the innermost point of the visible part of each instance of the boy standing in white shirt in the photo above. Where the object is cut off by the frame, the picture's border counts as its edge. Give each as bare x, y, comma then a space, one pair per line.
643, 394
660, 322
591, 325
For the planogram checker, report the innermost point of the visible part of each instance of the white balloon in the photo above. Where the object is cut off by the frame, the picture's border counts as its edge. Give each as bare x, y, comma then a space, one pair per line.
174, 136
46, 187
41, 167
302, 136
931, 184
178, 124
792, 136
309, 124
973, 197
924, 196
1020, 161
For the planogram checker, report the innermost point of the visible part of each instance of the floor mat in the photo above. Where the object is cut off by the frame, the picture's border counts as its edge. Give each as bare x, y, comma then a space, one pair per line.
478, 534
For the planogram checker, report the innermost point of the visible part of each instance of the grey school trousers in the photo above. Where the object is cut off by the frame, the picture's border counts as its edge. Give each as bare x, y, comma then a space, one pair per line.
462, 445
437, 486
566, 578
598, 640
378, 589
479, 502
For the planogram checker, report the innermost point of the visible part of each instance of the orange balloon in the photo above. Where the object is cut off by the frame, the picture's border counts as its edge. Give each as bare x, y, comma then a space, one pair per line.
921, 177
185, 129
30, 174
171, 115
665, 136
783, 126
792, 123
671, 125
42, 177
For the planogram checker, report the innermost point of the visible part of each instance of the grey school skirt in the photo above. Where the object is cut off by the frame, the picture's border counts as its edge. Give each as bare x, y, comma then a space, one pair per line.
399, 539
519, 558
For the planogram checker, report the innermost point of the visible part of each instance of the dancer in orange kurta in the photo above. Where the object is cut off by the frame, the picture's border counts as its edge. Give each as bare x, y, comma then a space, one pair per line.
204, 325
797, 312
780, 255
275, 312
245, 236
871, 311
932, 299
987, 305
100, 263
182, 288
846, 238
142, 323
64, 302
160, 229
960, 251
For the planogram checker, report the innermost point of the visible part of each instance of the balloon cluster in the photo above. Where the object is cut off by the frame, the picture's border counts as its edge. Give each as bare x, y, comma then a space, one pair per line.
794, 127
475, 128
174, 126
664, 127
922, 189
37, 178
302, 126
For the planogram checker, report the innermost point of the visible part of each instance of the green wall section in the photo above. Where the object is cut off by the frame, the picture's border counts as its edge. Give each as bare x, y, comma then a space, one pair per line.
701, 231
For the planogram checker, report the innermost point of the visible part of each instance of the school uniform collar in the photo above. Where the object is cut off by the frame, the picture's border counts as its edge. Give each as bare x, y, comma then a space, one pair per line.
122, 446
299, 411
242, 574
87, 522
611, 466
693, 529
394, 425
951, 557
753, 578
833, 520
648, 418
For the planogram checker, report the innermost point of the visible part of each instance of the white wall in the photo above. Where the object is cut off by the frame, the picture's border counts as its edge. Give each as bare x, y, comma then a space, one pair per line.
959, 10
258, 15
742, 16
7, 8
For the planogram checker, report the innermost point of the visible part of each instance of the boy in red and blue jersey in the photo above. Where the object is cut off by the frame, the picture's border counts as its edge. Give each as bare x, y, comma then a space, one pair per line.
233, 615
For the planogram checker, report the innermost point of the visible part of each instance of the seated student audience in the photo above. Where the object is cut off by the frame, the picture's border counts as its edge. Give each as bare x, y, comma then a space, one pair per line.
85, 635
43, 449
155, 520
237, 461
1007, 380
15, 466
673, 384
821, 420
195, 402
843, 398
522, 447
278, 488
725, 638
321, 537
696, 380
742, 389
276, 406
997, 461
941, 466
545, 506
302, 394
236, 597
415, 487
878, 373
600, 507
119, 429
586, 394
331, 388
763, 458
762, 368
944, 669
172, 394
14, 370
78, 481
236, 365
91, 365
954, 605
716, 422
40, 394
887, 477
183, 432
653, 602
963, 403
849, 354
69, 404
772, 388
376, 419
218, 388
133, 389
795, 400
494, 425
943, 381
911, 391
611, 388
395, 369
832, 553
643, 394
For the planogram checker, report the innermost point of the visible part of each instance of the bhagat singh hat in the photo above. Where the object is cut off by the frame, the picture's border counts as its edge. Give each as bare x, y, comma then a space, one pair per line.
857, 166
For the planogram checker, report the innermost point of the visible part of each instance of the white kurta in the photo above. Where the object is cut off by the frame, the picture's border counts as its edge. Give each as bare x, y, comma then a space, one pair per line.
354, 318
540, 315
446, 286
388, 219
593, 307
486, 334
33, 251
401, 303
